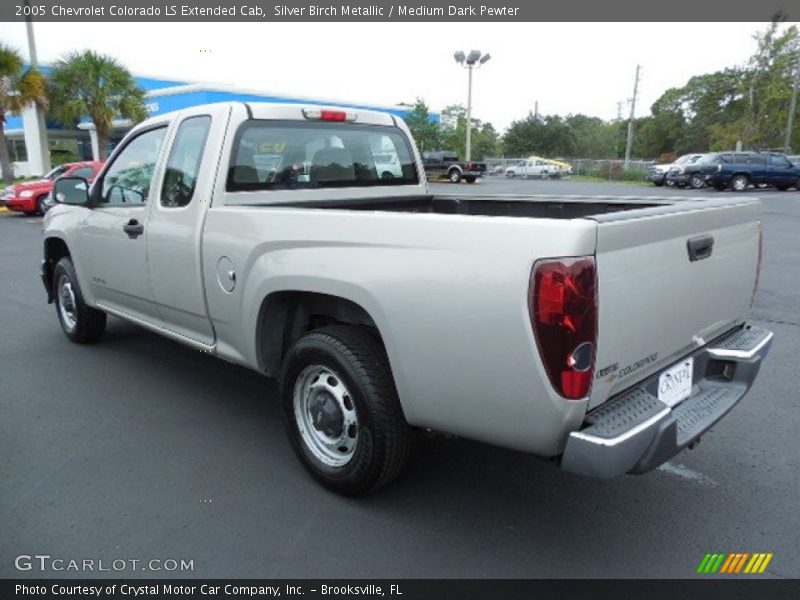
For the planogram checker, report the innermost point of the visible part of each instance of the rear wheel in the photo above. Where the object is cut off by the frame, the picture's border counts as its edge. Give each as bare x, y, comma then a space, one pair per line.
342, 413
470, 179
510, 174
739, 183
696, 181
454, 175
782, 188
81, 323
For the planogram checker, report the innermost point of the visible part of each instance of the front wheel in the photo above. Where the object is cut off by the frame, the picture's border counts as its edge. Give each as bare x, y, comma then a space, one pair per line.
81, 323
41, 207
696, 181
454, 175
739, 183
342, 413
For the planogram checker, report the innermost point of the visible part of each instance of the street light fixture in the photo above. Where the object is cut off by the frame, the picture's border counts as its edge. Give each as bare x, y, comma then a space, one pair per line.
473, 60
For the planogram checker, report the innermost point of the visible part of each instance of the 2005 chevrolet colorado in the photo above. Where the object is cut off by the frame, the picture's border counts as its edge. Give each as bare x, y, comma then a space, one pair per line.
606, 334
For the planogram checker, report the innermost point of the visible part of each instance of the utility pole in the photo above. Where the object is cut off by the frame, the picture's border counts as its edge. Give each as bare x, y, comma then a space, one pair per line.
787, 140
629, 143
619, 110
536, 109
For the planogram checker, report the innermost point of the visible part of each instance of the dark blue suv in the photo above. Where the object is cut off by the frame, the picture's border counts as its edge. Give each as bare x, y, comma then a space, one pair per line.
739, 170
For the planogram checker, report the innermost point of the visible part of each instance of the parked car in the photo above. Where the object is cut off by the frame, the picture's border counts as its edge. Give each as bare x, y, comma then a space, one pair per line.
739, 170
536, 166
29, 197
657, 174
692, 173
604, 333
447, 164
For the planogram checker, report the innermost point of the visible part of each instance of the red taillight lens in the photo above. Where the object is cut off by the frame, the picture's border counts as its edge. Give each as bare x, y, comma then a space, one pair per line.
333, 115
758, 264
563, 308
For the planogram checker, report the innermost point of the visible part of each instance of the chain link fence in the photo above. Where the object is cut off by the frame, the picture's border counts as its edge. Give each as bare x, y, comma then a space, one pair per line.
611, 170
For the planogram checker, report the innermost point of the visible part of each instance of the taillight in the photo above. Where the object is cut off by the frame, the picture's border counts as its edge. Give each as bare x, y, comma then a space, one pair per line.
562, 301
758, 264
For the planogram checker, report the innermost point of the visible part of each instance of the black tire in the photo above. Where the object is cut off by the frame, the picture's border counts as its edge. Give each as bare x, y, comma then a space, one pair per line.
658, 183
510, 174
797, 184
40, 207
454, 175
782, 188
469, 179
382, 444
739, 183
696, 181
387, 175
89, 323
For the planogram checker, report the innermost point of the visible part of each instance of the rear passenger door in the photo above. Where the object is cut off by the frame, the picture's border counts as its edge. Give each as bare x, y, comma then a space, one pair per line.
780, 171
176, 223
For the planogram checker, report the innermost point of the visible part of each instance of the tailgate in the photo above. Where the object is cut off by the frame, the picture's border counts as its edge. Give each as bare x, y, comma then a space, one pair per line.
655, 302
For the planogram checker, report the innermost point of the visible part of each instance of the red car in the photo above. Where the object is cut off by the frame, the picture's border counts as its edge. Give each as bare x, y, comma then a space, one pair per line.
29, 197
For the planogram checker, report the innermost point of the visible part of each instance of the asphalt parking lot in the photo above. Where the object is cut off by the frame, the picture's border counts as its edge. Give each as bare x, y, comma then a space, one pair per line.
140, 448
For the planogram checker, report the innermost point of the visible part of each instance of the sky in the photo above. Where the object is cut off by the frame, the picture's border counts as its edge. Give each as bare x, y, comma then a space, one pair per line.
567, 67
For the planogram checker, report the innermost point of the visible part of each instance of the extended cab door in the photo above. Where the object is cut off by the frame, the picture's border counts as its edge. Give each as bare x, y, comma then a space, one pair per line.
175, 225
112, 238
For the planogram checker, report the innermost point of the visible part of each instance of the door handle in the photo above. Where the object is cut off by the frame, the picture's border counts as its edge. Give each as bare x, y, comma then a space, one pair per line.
133, 228
700, 247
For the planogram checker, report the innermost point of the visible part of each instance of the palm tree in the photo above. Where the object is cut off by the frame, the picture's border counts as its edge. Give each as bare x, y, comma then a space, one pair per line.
87, 84
18, 88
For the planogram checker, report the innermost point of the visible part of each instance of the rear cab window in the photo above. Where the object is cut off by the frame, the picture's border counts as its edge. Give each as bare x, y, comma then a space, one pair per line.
294, 155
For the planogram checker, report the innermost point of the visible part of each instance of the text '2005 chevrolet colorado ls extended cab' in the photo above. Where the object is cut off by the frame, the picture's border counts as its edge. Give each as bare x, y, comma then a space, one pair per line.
606, 334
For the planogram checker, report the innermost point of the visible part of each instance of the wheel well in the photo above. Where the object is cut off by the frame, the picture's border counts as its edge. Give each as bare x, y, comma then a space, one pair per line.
54, 250
284, 317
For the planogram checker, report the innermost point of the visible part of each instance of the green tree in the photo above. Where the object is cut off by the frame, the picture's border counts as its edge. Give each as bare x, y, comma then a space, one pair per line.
548, 135
424, 130
97, 86
766, 88
18, 88
485, 141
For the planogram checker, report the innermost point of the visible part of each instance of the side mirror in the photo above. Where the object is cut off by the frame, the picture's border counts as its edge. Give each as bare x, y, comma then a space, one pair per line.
71, 190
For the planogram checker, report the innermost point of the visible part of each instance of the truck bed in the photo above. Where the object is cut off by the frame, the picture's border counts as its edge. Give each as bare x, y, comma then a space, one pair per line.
530, 206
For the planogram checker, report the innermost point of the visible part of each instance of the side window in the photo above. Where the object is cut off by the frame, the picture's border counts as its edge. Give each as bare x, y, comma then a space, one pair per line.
776, 160
83, 172
184, 162
757, 159
127, 181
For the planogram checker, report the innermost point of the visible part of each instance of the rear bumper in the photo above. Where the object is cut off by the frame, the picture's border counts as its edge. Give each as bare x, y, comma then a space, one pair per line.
634, 432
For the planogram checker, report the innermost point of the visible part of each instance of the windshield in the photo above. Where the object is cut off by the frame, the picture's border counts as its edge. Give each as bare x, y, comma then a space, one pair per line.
282, 155
56, 173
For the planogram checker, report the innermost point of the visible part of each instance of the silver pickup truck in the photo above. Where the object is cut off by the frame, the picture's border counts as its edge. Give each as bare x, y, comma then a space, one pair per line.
605, 334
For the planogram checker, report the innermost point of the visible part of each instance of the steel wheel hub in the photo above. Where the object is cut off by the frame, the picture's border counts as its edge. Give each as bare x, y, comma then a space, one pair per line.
326, 415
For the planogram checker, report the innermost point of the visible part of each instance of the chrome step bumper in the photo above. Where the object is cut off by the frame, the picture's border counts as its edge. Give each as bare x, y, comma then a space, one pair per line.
634, 432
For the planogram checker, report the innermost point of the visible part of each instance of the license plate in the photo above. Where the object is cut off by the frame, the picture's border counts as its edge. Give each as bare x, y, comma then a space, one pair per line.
675, 384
